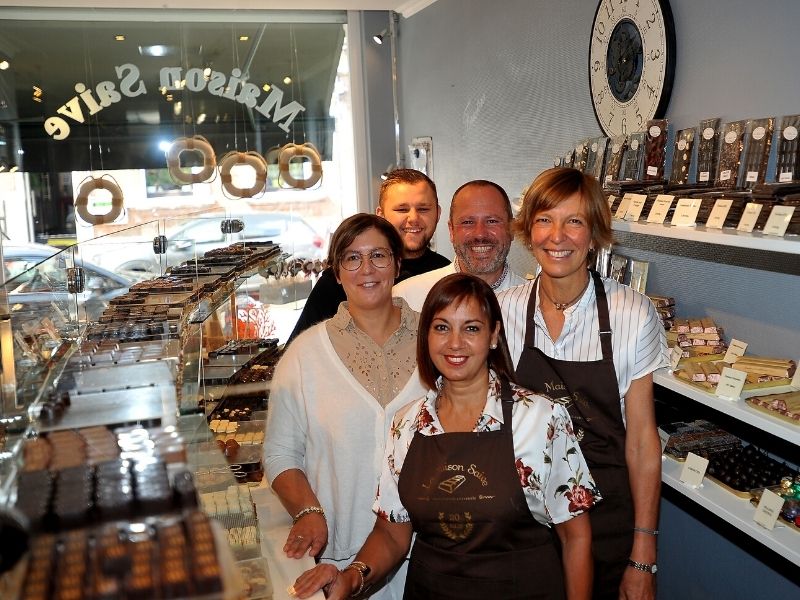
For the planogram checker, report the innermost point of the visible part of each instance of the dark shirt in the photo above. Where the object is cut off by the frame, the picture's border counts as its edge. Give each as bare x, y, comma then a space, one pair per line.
327, 294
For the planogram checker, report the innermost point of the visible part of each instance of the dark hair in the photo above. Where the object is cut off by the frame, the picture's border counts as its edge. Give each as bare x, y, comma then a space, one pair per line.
349, 229
483, 183
455, 289
555, 185
409, 176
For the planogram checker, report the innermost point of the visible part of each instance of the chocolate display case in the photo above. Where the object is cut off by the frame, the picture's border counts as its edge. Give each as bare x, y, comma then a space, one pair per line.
166, 351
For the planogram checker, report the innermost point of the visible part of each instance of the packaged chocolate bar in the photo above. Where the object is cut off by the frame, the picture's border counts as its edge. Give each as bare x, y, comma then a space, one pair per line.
730, 154
581, 154
707, 150
756, 155
787, 164
682, 157
633, 160
614, 154
655, 149
595, 159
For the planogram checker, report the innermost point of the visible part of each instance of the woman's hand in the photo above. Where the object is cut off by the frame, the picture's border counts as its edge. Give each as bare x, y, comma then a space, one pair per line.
336, 584
309, 534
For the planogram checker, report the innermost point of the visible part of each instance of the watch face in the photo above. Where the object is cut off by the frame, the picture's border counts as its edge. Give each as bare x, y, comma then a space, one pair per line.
631, 63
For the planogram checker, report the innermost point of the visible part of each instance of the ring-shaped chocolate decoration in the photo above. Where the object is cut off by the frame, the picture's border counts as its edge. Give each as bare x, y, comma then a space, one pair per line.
196, 144
82, 201
252, 159
291, 151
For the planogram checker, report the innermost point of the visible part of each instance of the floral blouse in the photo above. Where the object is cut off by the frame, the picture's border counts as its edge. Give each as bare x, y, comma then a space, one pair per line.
552, 471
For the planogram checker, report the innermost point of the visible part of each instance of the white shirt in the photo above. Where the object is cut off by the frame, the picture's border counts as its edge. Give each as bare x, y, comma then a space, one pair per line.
323, 422
553, 474
639, 345
415, 289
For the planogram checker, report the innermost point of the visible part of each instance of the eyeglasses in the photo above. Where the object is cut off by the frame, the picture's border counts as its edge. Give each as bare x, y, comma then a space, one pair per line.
380, 259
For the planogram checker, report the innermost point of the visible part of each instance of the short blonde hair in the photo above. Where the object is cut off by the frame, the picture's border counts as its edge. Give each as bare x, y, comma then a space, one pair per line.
552, 187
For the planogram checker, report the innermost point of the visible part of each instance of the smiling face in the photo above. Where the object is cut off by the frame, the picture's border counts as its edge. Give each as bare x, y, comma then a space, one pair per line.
561, 238
480, 230
459, 339
413, 210
368, 287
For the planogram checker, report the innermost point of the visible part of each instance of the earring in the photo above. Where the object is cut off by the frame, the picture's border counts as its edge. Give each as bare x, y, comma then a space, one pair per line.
493, 346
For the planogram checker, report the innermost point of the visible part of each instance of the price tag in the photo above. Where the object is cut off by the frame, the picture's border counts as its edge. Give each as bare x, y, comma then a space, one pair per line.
725, 175
752, 176
731, 383
636, 206
660, 208
675, 356
611, 200
719, 213
686, 212
749, 217
736, 350
694, 469
779, 220
623, 207
703, 176
652, 171
785, 177
768, 509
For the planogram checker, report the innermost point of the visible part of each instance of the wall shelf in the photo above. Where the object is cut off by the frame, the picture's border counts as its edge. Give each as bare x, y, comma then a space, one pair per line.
736, 511
736, 409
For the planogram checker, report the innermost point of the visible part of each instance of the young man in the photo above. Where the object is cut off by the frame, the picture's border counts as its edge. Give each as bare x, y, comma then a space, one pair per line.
409, 202
480, 231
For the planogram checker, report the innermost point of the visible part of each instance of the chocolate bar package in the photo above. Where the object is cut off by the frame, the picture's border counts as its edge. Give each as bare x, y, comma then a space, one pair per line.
756, 154
707, 150
788, 150
655, 149
682, 157
730, 154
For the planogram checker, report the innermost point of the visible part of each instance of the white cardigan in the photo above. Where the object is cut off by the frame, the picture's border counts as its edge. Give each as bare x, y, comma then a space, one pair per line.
322, 421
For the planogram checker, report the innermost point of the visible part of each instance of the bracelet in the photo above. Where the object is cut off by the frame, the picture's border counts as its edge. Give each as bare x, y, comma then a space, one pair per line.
307, 511
363, 570
645, 530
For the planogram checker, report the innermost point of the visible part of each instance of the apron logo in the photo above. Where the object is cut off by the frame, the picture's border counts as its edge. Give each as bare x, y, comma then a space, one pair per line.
456, 527
452, 484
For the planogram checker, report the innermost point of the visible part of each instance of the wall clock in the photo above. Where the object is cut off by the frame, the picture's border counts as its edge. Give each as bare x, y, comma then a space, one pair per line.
631, 63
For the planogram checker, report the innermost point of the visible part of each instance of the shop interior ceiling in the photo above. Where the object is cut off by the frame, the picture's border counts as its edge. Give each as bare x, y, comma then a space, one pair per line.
49, 58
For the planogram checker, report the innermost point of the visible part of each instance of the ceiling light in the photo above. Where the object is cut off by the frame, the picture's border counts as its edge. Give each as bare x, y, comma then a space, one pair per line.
119, 37
169, 97
287, 80
4, 64
164, 145
13, 169
378, 37
266, 87
156, 50
244, 38
207, 73
177, 108
201, 118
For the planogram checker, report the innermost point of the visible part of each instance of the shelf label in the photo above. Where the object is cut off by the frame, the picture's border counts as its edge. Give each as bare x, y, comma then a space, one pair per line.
735, 351
749, 217
694, 469
719, 213
686, 212
785, 177
623, 207
704, 176
675, 356
660, 208
611, 200
635, 209
768, 510
731, 383
779, 220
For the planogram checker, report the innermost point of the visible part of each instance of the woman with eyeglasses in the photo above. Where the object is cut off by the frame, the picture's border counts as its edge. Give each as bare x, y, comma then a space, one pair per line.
333, 396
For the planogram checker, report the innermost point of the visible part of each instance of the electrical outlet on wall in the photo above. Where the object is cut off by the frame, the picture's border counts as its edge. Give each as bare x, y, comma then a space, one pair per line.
420, 153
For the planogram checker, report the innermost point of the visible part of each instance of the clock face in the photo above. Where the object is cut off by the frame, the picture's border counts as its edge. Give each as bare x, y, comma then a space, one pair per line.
631, 63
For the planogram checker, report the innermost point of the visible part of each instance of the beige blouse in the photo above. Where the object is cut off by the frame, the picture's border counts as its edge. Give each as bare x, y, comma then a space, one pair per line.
383, 371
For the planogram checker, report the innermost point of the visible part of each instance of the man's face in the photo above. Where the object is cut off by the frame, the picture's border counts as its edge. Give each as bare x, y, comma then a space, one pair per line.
480, 231
412, 209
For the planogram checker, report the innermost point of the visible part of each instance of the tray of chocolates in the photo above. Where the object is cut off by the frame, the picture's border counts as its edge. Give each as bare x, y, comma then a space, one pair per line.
789, 490
159, 558
743, 469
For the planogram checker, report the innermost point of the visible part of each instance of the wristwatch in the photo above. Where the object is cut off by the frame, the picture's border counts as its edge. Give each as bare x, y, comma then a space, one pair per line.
643, 566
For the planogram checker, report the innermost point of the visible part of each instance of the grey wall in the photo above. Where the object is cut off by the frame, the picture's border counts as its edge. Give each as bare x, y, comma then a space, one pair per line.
502, 87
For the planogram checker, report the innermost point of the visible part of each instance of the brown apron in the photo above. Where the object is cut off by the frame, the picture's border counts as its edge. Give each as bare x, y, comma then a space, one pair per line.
591, 393
476, 537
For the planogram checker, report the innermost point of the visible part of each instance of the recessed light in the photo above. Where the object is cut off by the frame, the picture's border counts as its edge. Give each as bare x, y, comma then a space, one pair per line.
4, 64
157, 50
201, 118
119, 37
169, 97
244, 38
266, 87
287, 80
